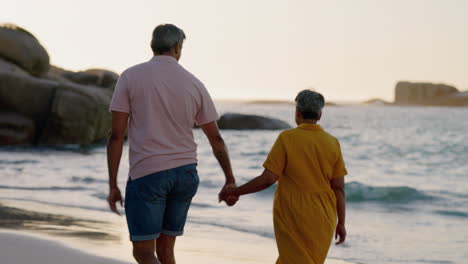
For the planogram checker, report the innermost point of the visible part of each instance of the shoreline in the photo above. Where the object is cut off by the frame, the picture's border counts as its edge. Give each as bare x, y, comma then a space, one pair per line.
100, 237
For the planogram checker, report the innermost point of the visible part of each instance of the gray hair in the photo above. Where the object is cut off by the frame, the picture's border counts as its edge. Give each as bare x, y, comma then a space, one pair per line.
166, 37
310, 104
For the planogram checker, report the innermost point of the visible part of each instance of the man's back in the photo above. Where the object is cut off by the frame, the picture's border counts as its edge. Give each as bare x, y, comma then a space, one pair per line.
159, 101
164, 101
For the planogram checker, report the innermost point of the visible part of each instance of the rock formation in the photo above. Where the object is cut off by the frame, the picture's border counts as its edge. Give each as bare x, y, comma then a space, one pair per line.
23, 49
407, 93
44, 104
249, 122
16, 129
95, 77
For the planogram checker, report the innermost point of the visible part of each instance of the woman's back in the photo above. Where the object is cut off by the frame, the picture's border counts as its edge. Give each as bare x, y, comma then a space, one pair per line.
306, 158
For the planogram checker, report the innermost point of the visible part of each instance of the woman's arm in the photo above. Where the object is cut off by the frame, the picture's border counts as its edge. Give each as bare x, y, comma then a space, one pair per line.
338, 186
260, 183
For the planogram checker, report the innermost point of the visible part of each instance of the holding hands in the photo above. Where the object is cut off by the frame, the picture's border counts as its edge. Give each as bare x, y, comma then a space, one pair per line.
228, 194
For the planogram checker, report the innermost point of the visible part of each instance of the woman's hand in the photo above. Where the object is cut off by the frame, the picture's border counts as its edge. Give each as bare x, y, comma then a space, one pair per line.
340, 233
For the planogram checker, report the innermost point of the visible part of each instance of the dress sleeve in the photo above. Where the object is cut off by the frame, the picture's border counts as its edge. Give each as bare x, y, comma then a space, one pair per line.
121, 100
207, 111
339, 170
277, 158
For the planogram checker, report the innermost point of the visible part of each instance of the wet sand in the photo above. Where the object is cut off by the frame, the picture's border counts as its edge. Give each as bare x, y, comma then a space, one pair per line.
36, 233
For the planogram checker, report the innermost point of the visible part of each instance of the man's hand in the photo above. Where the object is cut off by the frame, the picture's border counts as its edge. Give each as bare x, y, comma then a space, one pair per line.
340, 233
228, 195
113, 198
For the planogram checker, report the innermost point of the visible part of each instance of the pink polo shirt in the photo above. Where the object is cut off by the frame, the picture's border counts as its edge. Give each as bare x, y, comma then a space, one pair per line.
164, 101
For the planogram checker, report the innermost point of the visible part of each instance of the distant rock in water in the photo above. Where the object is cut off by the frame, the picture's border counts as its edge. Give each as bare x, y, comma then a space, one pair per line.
250, 122
283, 102
50, 105
377, 101
407, 93
270, 102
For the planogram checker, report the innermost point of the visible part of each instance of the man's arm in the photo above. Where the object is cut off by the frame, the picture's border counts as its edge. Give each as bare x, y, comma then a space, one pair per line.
220, 151
114, 154
338, 186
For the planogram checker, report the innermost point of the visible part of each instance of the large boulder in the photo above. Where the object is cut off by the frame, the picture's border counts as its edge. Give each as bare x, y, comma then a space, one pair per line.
250, 122
407, 93
49, 105
57, 74
8, 67
96, 77
26, 95
78, 115
106, 78
23, 49
16, 129
63, 112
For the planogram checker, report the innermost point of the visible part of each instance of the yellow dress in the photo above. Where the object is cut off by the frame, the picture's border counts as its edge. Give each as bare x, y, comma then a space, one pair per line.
304, 214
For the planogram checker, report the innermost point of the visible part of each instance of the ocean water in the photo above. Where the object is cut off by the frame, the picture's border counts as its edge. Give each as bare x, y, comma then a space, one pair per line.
407, 188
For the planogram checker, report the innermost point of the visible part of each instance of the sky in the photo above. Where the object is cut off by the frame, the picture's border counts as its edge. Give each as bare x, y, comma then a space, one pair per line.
349, 50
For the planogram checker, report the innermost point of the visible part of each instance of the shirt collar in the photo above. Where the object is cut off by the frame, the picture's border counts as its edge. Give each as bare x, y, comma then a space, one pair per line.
163, 58
307, 126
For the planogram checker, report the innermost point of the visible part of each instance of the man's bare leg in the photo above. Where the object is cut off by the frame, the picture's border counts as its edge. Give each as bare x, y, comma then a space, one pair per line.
165, 249
143, 252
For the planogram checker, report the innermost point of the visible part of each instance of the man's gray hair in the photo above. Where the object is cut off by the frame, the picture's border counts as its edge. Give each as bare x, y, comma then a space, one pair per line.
310, 104
166, 37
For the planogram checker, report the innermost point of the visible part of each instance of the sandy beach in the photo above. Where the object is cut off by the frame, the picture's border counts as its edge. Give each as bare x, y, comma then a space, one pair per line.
33, 233
18, 248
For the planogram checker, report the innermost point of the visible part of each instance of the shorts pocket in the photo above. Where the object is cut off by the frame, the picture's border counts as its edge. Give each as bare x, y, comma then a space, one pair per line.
190, 183
153, 189
192, 176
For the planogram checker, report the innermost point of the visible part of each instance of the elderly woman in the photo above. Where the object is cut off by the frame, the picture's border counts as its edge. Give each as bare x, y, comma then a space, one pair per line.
309, 200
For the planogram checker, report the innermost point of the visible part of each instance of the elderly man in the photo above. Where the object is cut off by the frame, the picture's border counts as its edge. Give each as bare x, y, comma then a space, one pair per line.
160, 101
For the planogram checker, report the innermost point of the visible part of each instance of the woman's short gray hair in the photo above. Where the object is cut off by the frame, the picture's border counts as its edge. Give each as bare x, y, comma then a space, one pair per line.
166, 37
310, 104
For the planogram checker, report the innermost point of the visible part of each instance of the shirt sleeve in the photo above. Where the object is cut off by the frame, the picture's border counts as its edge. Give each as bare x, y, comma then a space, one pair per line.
207, 111
339, 170
121, 100
277, 158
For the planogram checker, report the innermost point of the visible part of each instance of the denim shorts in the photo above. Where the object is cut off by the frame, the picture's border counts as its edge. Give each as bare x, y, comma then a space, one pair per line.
158, 203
